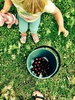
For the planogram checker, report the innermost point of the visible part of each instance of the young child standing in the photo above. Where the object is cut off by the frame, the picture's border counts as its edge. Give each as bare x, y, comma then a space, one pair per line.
29, 14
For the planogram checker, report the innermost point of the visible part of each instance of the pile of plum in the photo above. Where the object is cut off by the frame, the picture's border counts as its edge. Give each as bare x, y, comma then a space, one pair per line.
41, 67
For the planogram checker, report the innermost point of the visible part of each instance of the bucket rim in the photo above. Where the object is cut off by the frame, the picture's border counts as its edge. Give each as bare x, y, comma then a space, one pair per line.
58, 58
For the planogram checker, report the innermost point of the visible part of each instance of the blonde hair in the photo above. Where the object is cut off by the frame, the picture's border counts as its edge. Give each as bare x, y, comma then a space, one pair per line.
33, 6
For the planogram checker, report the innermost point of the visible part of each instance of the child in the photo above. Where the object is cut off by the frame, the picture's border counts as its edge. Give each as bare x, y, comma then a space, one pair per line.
29, 13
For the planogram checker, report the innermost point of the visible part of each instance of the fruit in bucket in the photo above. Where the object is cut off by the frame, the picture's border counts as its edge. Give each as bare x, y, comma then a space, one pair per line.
41, 67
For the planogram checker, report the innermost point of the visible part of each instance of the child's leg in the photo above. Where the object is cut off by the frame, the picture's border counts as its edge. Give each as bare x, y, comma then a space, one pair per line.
23, 27
34, 28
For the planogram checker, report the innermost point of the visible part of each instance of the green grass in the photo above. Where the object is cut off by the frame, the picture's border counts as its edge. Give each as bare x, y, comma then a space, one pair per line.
13, 56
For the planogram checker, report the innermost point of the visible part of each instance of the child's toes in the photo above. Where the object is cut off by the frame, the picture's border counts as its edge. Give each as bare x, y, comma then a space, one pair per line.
35, 38
23, 39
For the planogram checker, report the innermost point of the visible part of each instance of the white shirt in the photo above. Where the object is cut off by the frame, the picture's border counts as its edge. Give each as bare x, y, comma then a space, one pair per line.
49, 8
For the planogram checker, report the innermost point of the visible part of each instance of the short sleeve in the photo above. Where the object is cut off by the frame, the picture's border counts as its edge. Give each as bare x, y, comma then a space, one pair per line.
50, 7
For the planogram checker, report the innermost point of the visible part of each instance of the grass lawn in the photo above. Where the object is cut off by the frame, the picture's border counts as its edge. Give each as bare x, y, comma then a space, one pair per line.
13, 56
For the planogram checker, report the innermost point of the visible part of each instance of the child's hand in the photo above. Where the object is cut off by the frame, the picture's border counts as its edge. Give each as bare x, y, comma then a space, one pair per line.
62, 29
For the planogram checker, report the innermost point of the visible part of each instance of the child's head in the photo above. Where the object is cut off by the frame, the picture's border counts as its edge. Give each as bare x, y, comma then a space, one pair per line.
34, 6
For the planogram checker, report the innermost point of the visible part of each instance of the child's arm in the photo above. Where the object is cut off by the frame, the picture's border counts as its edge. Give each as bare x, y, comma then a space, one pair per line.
7, 6
58, 16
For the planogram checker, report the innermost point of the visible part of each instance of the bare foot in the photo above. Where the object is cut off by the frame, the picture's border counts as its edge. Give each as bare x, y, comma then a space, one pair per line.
35, 38
23, 37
